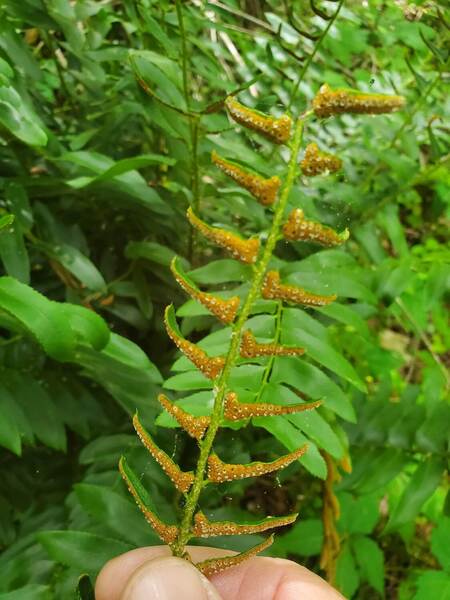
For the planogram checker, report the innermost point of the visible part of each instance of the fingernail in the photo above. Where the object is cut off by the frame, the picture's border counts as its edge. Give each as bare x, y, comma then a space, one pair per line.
169, 579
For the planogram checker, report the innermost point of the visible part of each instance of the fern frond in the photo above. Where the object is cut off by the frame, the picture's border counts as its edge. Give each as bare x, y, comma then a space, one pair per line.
244, 250
299, 229
237, 411
275, 130
317, 162
274, 290
224, 309
218, 471
210, 367
167, 533
264, 190
250, 348
181, 479
328, 102
194, 426
203, 527
216, 565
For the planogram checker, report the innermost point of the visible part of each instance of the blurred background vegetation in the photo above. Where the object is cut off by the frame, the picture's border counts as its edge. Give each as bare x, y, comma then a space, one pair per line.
95, 179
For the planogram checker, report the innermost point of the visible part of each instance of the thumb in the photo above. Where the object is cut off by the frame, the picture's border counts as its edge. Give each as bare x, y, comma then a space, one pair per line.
169, 579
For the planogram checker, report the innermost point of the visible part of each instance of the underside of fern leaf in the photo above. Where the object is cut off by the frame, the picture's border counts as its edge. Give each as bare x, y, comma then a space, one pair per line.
274, 194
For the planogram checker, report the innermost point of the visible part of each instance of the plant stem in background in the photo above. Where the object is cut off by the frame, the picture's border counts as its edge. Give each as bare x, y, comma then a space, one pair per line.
220, 388
313, 54
194, 122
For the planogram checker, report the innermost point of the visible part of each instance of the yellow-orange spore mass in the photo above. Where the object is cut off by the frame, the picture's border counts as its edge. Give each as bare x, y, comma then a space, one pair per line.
203, 527
181, 479
275, 130
316, 162
264, 190
216, 565
274, 290
329, 102
224, 310
194, 426
210, 367
244, 250
250, 348
218, 471
297, 228
236, 411
167, 533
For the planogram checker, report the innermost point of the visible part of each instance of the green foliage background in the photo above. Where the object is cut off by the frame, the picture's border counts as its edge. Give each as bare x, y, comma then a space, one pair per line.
95, 178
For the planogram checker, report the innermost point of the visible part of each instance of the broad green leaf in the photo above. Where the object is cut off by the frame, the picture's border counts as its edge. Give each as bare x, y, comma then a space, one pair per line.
221, 271
5, 69
322, 352
433, 434
131, 164
390, 221
422, 484
292, 438
433, 584
78, 264
188, 380
131, 183
13, 253
107, 449
345, 314
29, 592
19, 119
439, 542
310, 422
304, 539
9, 432
18, 50
347, 575
40, 409
313, 382
125, 351
41, 317
89, 327
80, 549
19, 205
370, 560
359, 514
160, 74
8, 391
375, 469
6, 221
150, 251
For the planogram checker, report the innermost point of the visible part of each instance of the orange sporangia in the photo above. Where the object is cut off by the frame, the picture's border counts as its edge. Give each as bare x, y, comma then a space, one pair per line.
194, 426
236, 411
167, 533
244, 250
329, 102
218, 471
250, 348
297, 228
203, 527
224, 309
274, 290
275, 130
181, 479
216, 565
264, 190
211, 367
316, 162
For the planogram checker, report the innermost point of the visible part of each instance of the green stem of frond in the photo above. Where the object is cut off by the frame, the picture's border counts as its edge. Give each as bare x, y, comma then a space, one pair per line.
221, 386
